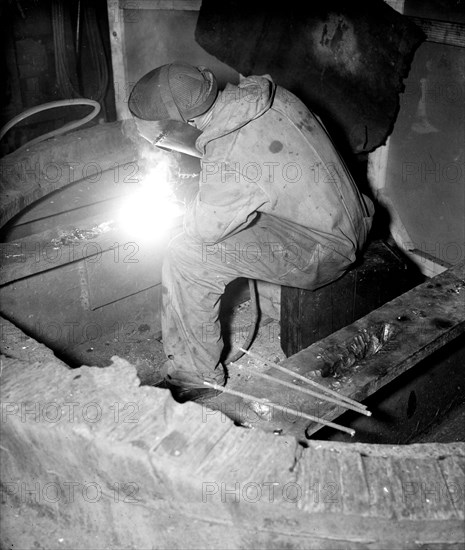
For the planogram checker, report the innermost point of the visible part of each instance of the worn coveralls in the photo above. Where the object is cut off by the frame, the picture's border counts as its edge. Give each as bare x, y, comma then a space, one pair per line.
275, 203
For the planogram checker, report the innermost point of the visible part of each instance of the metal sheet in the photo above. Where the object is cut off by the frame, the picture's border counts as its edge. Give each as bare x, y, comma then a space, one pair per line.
126, 269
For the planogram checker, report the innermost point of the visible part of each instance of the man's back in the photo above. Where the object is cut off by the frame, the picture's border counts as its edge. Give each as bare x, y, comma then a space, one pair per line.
266, 152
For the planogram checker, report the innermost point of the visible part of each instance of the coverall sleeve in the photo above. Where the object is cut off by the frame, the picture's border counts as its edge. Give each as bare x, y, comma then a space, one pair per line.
227, 201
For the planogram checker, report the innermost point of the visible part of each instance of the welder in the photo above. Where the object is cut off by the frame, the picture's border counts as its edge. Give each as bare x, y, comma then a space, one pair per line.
274, 202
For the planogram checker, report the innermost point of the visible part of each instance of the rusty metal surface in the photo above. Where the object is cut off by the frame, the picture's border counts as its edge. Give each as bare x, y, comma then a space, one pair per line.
346, 60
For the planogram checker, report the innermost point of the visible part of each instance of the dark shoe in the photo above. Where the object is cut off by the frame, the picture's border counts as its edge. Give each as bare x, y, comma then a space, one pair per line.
189, 386
187, 390
198, 395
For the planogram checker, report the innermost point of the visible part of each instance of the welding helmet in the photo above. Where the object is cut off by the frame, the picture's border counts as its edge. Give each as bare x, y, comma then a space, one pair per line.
176, 91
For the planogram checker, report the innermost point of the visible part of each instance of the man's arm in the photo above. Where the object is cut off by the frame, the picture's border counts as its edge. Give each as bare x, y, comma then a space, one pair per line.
227, 202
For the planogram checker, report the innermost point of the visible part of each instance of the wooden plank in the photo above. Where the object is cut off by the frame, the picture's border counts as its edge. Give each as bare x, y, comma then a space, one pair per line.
436, 451
429, 266
354, 486
453, 487
379, 276
420, 321
423, 255
424, 319
116, 18
442, 32
423, 492
379, 480
173, 464
189, 5
321, 484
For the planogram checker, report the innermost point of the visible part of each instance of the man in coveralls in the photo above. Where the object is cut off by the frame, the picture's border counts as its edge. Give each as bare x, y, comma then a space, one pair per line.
275, 202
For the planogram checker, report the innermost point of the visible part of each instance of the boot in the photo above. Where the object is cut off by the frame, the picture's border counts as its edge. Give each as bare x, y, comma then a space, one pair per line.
185, 386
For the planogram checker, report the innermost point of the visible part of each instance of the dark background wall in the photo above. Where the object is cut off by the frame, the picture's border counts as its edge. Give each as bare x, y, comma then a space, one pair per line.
35, 36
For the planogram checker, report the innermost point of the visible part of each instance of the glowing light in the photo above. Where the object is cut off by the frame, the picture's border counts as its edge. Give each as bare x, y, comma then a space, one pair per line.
151, 210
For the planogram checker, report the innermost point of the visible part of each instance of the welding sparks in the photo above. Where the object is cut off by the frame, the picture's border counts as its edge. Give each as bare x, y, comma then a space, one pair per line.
150, 211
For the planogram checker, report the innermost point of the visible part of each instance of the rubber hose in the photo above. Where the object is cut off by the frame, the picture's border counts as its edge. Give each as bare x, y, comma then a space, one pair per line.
253, 327
53, 104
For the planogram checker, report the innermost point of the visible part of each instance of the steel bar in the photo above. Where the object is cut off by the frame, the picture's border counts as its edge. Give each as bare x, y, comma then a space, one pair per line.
350, 431
309, 392
308, 380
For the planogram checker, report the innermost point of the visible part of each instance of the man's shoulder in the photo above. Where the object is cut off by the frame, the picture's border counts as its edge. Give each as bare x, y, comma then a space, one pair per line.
250, 90
283, 97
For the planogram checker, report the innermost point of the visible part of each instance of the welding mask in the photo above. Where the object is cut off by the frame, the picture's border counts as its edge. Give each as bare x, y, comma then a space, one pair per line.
166, 98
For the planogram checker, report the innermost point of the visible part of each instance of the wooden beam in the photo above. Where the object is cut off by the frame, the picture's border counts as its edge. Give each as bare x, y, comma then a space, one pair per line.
441, 32
187, 5
420, 322
131, 456
116, 18
424, 319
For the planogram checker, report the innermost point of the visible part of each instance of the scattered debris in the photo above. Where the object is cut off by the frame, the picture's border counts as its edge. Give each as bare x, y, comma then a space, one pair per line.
264, 411
75, 235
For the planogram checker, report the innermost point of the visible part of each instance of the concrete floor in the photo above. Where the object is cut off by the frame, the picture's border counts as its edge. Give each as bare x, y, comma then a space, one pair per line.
145, 351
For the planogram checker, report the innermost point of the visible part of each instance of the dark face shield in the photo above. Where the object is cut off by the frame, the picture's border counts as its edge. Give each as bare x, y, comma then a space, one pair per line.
170, 135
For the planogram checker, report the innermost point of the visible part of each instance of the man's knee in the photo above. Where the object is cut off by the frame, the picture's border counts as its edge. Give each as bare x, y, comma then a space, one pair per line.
328, 264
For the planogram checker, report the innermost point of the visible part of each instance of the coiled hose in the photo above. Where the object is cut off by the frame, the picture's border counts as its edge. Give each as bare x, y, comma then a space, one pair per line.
52, 105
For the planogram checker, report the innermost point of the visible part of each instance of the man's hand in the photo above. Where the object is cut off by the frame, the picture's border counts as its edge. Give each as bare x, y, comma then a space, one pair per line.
187, 188
187, 179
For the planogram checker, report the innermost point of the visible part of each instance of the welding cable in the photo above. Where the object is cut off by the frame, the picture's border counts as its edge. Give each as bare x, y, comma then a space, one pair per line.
53, 104
65, 78
253, 327
97, 51
65, 81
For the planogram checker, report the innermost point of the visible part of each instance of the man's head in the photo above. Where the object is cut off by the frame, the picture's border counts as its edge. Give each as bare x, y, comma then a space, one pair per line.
176, 91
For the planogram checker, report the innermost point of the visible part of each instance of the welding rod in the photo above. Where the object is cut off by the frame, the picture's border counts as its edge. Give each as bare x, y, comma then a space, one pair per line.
308, 380
309, 392
350, 431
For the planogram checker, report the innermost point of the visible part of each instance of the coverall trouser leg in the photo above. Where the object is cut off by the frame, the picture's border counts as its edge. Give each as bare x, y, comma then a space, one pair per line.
195, 275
